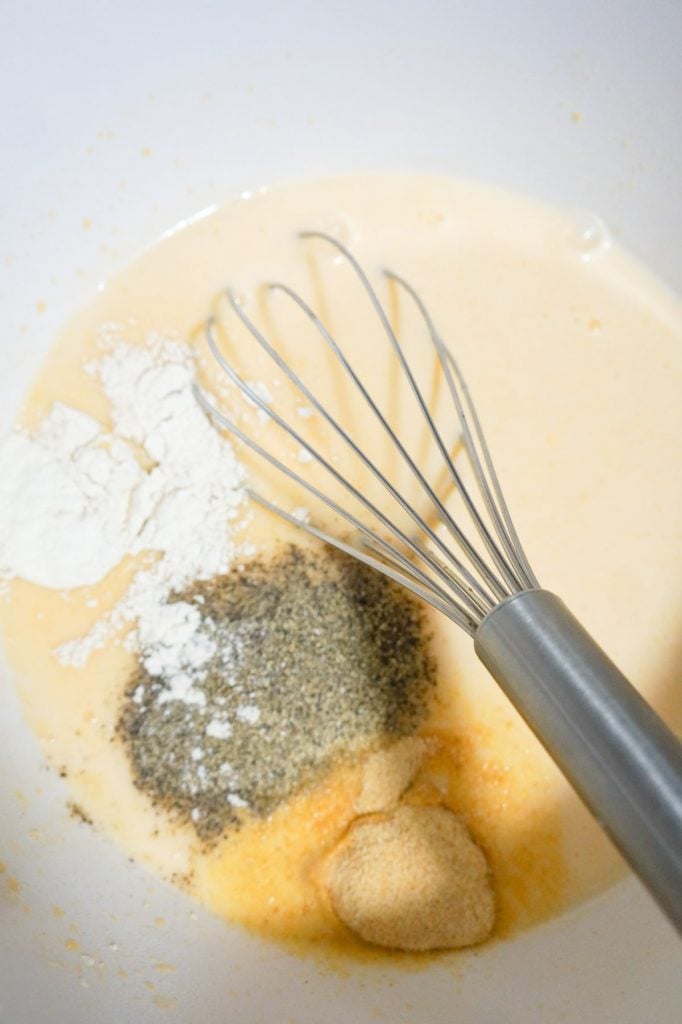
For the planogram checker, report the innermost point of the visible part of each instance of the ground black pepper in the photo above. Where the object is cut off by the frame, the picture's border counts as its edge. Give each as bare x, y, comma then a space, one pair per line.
317, 656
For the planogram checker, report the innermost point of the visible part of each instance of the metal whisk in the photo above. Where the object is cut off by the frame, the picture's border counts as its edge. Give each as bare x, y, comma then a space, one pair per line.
620, 757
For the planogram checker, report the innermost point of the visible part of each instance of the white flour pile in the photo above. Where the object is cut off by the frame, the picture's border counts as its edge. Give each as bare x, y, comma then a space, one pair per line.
75, 499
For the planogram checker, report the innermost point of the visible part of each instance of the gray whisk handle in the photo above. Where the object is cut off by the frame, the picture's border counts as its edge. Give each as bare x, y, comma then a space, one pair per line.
620, 757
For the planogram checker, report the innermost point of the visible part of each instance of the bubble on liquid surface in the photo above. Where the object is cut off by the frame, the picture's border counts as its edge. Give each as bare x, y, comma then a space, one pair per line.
588, 235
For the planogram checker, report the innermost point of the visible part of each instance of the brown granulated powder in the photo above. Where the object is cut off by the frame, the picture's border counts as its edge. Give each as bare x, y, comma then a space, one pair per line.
388, 773
413, 880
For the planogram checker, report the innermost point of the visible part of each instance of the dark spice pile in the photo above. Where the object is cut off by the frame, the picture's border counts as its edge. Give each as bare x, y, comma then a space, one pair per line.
316, 655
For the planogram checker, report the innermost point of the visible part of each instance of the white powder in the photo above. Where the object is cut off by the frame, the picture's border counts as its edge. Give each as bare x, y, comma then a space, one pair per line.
71, 501
75, 499
301, 514
236, 800
173, 647
249, 713
219, 729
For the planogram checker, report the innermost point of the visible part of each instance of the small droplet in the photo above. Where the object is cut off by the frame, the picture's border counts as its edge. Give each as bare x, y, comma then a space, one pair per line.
588, 236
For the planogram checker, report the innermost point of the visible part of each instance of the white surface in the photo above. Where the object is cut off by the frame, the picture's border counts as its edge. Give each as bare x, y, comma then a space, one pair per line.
132, 116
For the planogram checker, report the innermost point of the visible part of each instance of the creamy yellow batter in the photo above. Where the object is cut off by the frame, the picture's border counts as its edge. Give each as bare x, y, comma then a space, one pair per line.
574, 354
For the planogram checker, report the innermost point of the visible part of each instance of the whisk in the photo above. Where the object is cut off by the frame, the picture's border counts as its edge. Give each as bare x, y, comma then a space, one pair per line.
620, 757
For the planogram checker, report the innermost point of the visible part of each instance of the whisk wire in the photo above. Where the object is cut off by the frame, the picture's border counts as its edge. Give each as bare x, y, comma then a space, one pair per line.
486, 599
474, 603
410, 578
464, 592
513, 582
408, 573
492, 581
489, 485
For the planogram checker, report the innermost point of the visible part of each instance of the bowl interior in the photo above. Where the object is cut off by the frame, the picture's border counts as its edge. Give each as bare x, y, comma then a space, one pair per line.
122, 120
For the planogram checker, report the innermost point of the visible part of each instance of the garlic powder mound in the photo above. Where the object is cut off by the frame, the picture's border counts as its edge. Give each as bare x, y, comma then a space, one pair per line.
388, 773
413, 880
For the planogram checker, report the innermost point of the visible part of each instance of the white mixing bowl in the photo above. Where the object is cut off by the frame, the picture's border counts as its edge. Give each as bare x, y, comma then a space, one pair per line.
122, 118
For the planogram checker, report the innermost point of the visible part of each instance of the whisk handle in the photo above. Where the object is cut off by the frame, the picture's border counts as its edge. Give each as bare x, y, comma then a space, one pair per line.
620, 757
